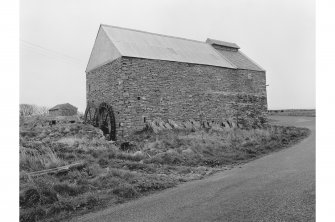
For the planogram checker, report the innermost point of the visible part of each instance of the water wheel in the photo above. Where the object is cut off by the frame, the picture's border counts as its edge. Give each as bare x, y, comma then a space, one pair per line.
91, 114
106, 121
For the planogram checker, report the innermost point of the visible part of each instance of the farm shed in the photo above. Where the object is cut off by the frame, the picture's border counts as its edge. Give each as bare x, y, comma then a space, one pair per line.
63, 110
144, 76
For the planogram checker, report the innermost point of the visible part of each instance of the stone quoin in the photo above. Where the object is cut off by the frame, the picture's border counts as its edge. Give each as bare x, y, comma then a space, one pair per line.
144, 76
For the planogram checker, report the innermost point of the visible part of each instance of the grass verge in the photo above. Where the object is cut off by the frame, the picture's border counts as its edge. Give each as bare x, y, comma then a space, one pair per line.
113, 174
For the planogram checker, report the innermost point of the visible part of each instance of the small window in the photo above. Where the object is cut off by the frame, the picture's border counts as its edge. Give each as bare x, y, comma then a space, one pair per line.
89, 87
138, 98
249, 76
144, 119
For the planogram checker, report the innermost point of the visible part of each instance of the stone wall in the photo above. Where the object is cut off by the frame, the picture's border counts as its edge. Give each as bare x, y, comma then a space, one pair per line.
141, 89
63, 112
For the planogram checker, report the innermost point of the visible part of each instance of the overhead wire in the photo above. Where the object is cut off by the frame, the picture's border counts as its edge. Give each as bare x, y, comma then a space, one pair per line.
54, 54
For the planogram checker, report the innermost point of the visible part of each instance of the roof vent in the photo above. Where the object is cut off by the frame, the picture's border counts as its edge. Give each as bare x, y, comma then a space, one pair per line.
222, 43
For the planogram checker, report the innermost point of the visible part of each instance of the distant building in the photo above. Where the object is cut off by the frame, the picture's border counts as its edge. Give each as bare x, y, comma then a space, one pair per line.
145, 75
63, 110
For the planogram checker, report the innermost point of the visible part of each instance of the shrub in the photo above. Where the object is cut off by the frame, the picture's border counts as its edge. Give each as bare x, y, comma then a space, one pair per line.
32, 214
152, 184
60, 206
123, 174
88, 202
103, 162
48, 197
125, 191
65, 189
148, 168
94, 169
29, 198
165, 158
130, 156
106, 182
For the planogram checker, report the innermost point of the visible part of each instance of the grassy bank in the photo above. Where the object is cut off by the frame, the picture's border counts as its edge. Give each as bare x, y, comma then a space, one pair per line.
103, 173
293, 112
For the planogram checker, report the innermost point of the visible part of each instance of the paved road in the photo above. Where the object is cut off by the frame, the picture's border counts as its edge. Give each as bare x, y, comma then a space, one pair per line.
277, 187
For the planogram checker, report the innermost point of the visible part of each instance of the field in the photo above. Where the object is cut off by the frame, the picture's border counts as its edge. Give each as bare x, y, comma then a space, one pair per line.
293, 112
68, 168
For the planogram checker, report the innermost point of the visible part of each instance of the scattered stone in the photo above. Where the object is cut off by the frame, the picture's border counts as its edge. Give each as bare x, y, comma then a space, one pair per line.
233, 123
196, 124
205, 124
188, 125
153, 126
161, 124
139, 154
173, 123
158, 125
167, 125
187, 151
181, 125
217, 127
171, 151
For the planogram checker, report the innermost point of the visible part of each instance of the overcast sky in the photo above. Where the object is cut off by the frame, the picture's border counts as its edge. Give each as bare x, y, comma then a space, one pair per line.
57, 36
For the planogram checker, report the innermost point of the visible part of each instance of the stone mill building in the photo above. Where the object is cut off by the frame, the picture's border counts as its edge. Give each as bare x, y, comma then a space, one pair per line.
144, 76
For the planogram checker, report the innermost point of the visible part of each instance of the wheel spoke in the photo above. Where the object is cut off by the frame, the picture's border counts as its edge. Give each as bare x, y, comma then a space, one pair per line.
102, 117
109, 124
106, 117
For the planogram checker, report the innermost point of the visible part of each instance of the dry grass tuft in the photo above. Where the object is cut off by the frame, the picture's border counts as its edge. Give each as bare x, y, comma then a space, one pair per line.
34, 160
70, 141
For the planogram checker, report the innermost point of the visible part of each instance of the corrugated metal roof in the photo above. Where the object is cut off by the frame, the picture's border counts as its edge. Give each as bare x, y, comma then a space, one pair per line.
222, 43
134, 43
240, 60
113, 42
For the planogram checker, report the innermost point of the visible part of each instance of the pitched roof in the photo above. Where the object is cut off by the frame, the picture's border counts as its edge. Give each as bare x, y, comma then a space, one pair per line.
140, 44
240, 60
64, 106
114, 42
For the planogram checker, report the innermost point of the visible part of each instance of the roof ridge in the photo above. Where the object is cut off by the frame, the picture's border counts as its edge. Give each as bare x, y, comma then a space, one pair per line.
222, 43
62, 104
152, 33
